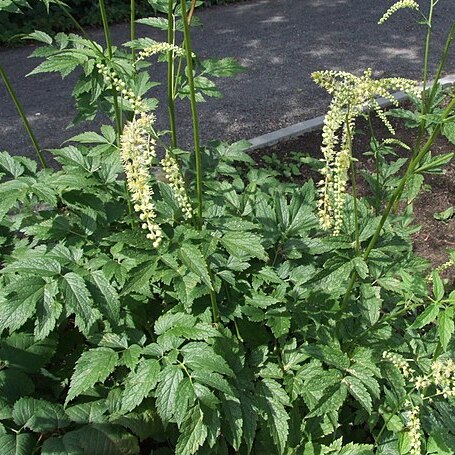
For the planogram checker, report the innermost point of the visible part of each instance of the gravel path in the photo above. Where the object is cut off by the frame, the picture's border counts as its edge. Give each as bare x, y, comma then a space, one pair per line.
279, 41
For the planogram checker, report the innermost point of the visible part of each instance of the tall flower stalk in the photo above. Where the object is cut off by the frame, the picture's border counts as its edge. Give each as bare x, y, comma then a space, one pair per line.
107, 35
23, 117
194, 113
133, 27
171, 72
197, 145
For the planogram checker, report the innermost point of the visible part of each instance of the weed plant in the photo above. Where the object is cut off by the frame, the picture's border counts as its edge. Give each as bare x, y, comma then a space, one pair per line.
195, 303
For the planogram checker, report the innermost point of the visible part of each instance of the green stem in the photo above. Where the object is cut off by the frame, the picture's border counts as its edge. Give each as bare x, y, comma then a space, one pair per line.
379, 186
354, 188
386, 422
442, 62
107, 35
170, 73
133, 27
197, 144
426, 58
194, 114
176, 76
356, 213
64, 8
418, 156
22, 115
425, 106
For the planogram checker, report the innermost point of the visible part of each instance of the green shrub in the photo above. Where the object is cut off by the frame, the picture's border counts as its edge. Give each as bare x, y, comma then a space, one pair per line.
85, 11
202, 304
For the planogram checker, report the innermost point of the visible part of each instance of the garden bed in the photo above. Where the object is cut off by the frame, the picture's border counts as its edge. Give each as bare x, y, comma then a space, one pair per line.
435, 236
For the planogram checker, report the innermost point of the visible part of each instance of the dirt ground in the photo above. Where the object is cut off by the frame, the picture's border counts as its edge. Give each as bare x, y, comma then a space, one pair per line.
435, 237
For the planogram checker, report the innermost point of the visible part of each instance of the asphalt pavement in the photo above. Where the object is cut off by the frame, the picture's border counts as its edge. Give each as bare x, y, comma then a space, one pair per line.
280, 42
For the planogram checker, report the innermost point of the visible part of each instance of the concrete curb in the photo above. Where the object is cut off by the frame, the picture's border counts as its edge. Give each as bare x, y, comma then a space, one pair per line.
316, 123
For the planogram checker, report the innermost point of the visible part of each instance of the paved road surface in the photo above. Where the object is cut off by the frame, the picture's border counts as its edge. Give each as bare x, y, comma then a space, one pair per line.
279, 41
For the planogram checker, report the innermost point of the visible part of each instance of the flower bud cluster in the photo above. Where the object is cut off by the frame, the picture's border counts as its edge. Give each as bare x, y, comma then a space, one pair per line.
442, 375
113, 79
401, 4
159, 48
440, 269
351, 95
414, 429
399, 362
174, 177
138, 152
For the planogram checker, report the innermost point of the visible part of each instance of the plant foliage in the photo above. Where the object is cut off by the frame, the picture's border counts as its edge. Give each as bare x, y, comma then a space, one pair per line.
249, 329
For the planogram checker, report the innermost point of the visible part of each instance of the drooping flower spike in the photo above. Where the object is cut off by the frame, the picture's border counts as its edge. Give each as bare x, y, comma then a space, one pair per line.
120, 86
160, 48
174, 177
137, 151
401, 4
351, 95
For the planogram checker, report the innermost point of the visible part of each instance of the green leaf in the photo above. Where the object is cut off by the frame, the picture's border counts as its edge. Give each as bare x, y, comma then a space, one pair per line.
448, 130
110, 304
21, 303
90, 412
22, 351
63, 63
359, 392
445, 215
20, 444
438, 286
413, 187
157, 22
357, 449
361, 267
166, 391
39, 415
139, 384
106, 439
15, 384
193, 433
35, 266
201, 356
89, 137
79, 301
445, 326
280, 325
39, 36
370, 302
140, 278
331, 355
224, 67
250, 419
332, 400
244, 244
184, 400
93, 366
48, 310
171, 320
277, 417
437, 445
11, 165
213, 380
430, 313
233, 419
192, 257
68, 444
